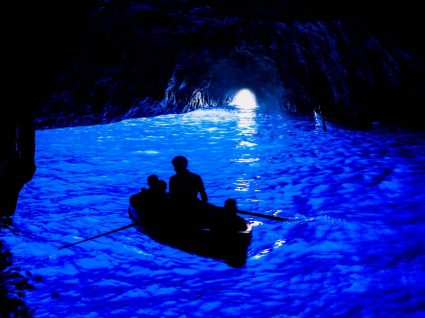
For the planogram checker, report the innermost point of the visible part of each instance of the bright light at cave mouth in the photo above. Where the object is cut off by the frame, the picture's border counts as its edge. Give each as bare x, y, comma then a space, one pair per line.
244, 99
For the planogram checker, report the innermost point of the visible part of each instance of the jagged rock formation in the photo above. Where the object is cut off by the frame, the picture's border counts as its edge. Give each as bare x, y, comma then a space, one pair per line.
121, 59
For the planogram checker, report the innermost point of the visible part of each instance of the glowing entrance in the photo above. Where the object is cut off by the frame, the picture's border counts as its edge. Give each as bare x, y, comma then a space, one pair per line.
244, 99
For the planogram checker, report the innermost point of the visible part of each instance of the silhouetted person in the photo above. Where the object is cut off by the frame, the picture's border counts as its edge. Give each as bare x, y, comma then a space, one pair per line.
157, 188
162, 187
142, 200
231, 221
185, 185
230, 205
154, 199
153, 183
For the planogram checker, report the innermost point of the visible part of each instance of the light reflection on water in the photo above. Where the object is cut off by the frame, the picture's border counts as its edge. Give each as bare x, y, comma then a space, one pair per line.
355, 249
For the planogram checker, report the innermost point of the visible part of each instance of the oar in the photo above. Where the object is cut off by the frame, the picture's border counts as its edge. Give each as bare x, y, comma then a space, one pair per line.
99, 235
271, 217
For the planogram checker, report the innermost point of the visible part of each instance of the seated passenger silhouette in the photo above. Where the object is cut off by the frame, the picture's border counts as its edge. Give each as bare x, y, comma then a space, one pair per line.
232, 222
154, 198
162, 188
161, 198
185, 186
152, 183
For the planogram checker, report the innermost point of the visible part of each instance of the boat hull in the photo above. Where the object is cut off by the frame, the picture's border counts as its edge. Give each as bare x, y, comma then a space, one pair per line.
207, 241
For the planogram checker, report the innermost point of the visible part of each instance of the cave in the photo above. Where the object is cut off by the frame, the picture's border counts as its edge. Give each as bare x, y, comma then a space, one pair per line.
104, 61
107, 86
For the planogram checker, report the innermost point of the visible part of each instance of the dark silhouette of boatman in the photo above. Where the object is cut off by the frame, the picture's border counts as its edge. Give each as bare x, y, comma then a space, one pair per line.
185, 185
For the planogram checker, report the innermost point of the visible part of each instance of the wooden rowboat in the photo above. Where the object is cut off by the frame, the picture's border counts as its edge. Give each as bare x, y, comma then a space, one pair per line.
210, 236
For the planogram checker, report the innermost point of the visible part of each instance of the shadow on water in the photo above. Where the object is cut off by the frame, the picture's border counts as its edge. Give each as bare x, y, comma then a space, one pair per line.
13, 283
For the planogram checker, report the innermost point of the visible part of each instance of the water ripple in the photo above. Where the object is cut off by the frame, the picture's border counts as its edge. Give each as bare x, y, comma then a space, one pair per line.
354, 248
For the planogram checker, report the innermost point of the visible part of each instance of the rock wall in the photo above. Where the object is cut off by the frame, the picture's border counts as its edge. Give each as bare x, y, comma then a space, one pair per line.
41, 41
145, 58
90, 62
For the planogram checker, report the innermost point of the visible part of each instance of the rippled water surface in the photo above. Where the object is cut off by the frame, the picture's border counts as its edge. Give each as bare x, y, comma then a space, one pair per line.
355, 247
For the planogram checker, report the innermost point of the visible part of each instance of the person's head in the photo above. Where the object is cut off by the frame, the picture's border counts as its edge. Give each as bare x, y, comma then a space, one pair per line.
230, 205
153, 181
179, 163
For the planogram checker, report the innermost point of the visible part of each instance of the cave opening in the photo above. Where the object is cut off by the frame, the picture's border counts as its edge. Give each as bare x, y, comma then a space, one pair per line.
244, 99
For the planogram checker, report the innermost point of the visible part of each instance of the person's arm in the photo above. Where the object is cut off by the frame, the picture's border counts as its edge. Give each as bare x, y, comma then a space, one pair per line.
204, 196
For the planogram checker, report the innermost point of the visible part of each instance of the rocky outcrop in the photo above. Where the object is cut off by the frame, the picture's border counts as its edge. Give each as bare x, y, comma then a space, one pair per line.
41, 41
114, 60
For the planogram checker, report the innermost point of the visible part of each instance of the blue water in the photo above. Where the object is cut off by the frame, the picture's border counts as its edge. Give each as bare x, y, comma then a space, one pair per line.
355, 247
